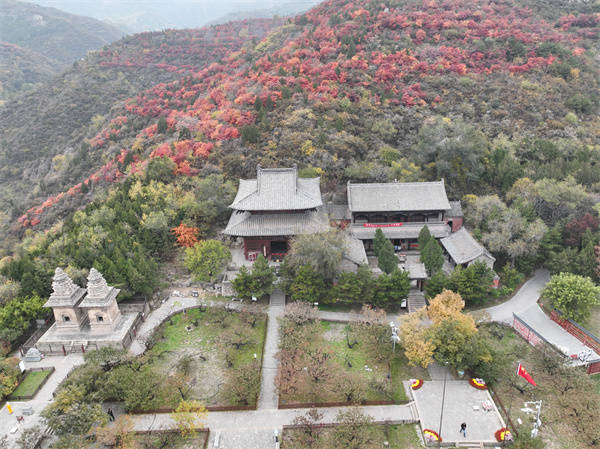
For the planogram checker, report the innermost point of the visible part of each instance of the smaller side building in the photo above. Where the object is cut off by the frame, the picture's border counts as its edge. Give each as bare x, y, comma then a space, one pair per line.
461, 248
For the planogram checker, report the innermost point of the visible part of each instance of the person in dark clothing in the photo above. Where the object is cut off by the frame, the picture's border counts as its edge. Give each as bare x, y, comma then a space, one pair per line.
111, 415
463, 429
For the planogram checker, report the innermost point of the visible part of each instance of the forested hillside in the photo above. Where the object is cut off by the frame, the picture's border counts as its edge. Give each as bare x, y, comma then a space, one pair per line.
45, 36
499, 98
45, 135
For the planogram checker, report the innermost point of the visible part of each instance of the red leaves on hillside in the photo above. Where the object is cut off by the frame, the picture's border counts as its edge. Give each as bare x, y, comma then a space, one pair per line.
340, 49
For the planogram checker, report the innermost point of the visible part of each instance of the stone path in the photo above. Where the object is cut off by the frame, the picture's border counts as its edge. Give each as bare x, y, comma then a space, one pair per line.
268, 398
553, 333
524, 305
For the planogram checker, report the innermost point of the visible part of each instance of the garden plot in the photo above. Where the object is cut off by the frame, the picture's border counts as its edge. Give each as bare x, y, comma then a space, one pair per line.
204, 350
338, 363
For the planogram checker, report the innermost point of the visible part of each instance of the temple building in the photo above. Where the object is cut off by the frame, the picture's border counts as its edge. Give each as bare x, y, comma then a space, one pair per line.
274, 207
86, 319
400, 210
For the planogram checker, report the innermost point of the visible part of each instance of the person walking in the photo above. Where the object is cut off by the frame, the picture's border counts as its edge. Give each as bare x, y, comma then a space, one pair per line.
111, 415
463, 429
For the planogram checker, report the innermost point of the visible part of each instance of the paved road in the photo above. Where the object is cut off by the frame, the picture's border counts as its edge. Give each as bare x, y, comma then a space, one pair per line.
553, 333
527, 296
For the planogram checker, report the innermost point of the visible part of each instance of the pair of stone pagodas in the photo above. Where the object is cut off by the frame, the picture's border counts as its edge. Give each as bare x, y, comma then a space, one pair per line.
74, 307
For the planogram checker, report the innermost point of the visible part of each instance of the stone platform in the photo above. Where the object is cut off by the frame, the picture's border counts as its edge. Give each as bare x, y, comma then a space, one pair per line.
120, 337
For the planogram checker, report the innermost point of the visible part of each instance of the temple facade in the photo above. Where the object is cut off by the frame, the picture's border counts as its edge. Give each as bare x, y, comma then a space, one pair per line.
274, 207
400, 210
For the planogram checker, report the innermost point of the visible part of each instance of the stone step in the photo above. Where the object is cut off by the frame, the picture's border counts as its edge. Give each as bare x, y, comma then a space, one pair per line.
415, 301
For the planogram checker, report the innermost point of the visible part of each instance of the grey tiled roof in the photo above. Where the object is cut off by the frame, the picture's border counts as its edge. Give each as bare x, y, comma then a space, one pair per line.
246, 224
455, 209
355, 251
463, 248
416, 271
277, 189
397, 196
406, 231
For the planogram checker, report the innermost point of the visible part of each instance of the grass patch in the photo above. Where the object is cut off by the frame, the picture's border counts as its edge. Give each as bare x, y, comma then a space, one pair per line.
30, 384
211, 355
401, 436
593, 323
596, 379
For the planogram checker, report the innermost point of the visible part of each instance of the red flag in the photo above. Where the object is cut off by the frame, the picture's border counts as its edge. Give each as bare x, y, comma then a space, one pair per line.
525, 375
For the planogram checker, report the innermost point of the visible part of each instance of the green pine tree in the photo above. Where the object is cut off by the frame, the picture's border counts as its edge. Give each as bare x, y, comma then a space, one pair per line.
243, 284
263, 277
378, 241
161, 127
424, 237
432, 256
308, 285
387, 259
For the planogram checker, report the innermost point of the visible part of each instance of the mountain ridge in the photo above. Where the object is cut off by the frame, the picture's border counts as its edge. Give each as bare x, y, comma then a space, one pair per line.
54, 37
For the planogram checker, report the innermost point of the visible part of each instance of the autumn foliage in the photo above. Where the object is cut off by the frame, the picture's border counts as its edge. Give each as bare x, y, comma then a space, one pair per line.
187, 236
358, 50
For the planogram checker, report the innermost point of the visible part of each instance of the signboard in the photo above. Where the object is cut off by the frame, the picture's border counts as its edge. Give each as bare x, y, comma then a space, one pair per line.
382, 225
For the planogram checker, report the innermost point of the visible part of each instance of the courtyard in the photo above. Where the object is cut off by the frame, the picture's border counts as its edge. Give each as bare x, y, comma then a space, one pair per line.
462, 403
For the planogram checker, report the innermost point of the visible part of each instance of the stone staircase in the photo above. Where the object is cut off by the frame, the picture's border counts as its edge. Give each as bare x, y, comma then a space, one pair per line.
415, 300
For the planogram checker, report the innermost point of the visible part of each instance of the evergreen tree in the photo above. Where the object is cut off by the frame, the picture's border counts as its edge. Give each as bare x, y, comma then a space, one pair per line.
424, 237
354, 287
308, 285
263, 277
387, 259
436, 284
400, 285
432, 256
378, 241
473, 283
243, 284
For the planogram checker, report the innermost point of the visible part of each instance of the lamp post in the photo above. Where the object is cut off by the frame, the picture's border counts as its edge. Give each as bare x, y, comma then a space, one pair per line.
442, 409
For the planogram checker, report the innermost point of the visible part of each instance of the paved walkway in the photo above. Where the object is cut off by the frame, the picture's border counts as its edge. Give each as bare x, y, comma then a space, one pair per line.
268, 399
535, 318
527, 296
254, 429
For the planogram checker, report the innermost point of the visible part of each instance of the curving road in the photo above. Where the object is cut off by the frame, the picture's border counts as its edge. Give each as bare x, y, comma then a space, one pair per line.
525, 298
